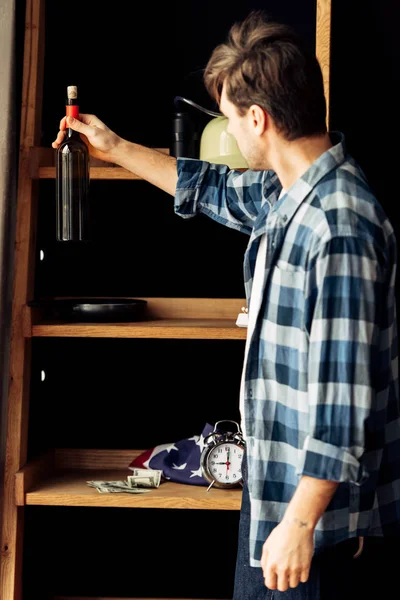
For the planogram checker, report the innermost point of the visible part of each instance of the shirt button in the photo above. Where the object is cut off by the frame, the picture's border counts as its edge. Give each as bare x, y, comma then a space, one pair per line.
284, 218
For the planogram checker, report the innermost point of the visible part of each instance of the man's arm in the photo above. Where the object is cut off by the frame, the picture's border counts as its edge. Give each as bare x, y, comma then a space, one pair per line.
230, 197
288, 551
153, 166
346, 284
309, 502
149, 164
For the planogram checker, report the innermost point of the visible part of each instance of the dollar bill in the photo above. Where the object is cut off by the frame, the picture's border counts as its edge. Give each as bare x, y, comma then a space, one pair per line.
110, 487
134, 484
145, 478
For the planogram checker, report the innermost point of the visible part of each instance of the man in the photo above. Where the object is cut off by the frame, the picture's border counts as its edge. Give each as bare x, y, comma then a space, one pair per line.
319, 394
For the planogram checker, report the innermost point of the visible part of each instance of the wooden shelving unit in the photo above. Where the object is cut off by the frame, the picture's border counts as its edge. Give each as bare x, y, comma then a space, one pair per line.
59, 477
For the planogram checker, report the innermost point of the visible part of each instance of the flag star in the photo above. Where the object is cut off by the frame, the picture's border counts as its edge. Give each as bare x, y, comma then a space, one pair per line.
162, 447
194, 438
197, 473
200, 442
174, 466
157, 450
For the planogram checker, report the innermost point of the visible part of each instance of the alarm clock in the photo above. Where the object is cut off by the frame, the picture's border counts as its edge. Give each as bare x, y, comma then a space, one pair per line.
221, 457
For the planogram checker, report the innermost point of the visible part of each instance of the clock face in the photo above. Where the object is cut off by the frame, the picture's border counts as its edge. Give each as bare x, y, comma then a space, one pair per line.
225, 463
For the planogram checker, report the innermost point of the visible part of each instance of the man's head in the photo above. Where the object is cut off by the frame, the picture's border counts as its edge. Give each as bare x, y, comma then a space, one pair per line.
264, 73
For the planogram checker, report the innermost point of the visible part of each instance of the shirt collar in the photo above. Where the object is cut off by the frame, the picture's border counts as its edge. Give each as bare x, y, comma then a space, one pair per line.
288, 204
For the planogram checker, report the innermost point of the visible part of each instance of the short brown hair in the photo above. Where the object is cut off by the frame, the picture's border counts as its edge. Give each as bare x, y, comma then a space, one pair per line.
266, 63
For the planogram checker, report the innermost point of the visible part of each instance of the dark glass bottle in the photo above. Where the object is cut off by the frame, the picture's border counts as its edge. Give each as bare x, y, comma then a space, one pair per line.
72, 180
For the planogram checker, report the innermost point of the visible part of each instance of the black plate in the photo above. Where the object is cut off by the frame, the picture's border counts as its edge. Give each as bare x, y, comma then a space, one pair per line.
92, 309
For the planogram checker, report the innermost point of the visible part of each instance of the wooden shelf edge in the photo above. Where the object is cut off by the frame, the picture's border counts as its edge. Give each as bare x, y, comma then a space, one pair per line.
162, 329
95, 173
42, 166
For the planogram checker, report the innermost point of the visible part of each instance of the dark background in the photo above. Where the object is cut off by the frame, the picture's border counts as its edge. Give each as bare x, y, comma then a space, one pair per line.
129, 62
129, 76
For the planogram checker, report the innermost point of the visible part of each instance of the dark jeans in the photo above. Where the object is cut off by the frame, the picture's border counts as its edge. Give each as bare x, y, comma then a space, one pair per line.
334, 573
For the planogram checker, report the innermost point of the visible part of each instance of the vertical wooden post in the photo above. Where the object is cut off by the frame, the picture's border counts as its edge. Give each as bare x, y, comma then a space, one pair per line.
20, 351
323, 47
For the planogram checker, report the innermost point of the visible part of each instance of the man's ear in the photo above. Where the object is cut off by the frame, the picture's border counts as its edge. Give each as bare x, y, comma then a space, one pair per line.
258, 119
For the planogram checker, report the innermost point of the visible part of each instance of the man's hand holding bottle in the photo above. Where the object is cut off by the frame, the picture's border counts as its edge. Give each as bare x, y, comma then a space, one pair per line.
152, 165
101, 141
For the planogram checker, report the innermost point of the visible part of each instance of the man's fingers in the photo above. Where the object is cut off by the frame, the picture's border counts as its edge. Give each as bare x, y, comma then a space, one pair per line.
304, 575
271, 579
60, 134
91, 120
294, 578
77, 125
86, 124
264, 560
283, 580
59, 139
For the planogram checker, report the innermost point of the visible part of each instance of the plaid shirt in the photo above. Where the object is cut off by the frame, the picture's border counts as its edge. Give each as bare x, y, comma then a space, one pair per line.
320, 382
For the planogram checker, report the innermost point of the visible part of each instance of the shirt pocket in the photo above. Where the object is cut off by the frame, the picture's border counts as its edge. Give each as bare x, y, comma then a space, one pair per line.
286, 296
284, 338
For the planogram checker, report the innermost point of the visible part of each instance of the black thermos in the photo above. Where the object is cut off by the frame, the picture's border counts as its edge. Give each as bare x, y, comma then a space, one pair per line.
185, 138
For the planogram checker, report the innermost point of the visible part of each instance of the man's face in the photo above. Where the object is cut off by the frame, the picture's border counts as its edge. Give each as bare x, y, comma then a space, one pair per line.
241, 128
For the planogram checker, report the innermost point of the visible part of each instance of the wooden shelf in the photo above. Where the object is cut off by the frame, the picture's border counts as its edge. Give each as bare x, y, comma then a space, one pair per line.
217, 329
168, 318
69, 488
42, 166
46, 481
95, 173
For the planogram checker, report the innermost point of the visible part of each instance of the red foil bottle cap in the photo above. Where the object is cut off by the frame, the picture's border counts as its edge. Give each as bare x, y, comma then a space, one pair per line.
72, 110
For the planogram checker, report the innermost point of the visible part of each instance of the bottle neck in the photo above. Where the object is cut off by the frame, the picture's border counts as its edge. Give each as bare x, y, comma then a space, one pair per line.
72, 110
71, 133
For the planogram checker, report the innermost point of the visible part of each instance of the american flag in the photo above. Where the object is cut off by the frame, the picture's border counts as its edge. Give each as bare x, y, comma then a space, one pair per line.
179, 461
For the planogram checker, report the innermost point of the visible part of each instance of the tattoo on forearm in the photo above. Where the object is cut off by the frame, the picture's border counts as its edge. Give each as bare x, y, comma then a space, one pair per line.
300, 523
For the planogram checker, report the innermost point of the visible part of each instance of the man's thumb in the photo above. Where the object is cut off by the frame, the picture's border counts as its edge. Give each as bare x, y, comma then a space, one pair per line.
74, 123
